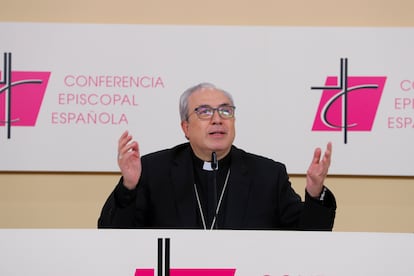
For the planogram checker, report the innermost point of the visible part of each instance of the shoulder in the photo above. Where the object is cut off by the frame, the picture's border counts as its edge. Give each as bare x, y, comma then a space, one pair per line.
256, 161
166, 154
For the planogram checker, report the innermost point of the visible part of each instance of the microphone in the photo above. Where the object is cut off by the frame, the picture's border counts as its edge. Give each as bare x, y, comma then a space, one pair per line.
214, 165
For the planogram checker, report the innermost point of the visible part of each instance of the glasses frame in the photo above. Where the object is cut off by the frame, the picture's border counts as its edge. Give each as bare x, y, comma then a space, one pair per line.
218, 109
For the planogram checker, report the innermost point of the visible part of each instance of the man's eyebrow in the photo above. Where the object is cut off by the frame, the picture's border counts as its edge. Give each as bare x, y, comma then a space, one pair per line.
203, 105
225, 104
207, 105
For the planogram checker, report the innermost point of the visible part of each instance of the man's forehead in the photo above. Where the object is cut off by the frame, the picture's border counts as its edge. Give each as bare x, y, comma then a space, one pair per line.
209, 96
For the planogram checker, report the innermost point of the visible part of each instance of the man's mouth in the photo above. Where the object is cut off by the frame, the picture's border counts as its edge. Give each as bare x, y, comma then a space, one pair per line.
217, 132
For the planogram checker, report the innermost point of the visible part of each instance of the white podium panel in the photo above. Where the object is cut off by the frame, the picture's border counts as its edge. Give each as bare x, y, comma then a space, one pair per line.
203, 253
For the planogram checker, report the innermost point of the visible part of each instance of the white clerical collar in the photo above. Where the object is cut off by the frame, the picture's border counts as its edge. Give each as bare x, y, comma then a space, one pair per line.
207, 166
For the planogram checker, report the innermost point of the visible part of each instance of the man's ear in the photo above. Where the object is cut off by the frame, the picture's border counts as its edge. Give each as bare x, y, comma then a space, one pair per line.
184, 127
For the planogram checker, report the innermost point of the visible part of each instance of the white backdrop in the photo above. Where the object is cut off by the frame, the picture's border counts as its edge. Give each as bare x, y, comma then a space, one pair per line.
129, 77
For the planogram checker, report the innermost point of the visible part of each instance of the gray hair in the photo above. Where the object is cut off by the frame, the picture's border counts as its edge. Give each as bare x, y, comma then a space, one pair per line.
184, 112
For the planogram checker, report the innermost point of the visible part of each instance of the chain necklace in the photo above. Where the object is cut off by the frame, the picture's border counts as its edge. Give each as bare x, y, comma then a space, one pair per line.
218, 205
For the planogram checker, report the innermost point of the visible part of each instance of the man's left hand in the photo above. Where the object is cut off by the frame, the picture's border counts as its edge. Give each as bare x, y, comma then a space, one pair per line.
318, 171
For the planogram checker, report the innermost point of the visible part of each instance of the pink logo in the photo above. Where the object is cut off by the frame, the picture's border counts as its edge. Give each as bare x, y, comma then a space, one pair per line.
348, 103
21, 96
167, 271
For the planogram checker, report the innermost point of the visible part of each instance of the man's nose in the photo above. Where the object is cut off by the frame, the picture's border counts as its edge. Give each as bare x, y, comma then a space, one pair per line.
216, 119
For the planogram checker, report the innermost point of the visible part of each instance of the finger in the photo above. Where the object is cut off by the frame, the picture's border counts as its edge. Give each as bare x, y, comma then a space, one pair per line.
329, 148
316, 156
134, 149
129, 150
123, 140
326, 161
124, 144
328, 154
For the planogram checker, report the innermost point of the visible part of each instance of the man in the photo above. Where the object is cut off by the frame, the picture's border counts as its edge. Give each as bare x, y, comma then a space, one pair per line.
181, 187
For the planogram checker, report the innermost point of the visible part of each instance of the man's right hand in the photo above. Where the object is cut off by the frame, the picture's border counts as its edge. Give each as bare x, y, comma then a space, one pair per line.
129, 160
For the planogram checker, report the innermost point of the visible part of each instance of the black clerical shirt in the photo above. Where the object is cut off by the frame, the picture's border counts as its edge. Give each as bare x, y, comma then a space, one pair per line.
204, 181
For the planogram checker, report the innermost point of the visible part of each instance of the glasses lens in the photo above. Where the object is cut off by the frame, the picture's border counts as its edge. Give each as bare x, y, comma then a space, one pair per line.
226, 111
204, 111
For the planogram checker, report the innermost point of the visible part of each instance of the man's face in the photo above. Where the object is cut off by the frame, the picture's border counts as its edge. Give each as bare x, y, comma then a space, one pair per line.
208, 135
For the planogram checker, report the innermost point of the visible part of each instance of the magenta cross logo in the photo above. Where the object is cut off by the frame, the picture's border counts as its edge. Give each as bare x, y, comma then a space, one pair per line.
163, 266
21, 95
348, 103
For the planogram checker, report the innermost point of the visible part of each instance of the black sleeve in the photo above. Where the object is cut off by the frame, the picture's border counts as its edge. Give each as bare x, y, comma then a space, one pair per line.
318, 215
119, 209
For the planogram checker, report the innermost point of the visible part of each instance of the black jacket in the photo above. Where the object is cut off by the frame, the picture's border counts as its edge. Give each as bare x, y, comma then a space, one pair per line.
258, 196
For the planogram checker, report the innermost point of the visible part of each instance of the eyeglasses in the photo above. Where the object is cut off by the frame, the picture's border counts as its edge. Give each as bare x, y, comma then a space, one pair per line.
206, 112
